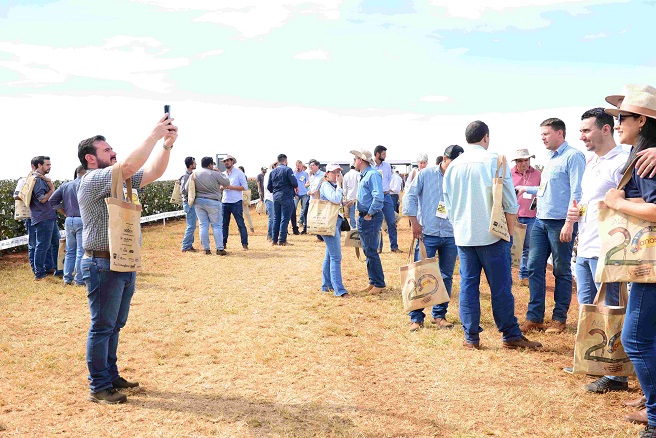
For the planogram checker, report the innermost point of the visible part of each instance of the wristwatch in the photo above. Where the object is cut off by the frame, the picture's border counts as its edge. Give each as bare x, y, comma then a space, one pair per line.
168, 148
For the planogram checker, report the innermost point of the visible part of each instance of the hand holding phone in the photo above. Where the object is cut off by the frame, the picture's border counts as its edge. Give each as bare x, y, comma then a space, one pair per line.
167, 110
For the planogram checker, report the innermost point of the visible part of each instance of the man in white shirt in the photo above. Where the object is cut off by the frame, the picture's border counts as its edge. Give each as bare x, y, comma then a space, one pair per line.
395, 189
232, 200
350, 186
602, 172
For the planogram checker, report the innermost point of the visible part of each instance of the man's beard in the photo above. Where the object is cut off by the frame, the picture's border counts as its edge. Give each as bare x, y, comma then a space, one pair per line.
105, 164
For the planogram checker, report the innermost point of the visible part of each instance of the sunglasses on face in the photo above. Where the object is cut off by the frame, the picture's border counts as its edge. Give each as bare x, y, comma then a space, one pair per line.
624, 116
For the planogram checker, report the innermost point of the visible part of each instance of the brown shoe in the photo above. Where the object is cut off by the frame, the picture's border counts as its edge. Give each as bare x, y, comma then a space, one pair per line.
470, 346
639, 417
376, 290
556, 327
367, 289
397, 250
442, 323
637, 403
414, 326
521, 343
529, 326
524, 282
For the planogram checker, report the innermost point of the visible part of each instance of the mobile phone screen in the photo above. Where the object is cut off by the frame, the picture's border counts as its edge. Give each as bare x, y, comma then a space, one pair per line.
167, 109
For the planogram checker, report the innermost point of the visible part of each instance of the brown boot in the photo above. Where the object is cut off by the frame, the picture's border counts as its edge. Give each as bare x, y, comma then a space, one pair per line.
529, 326
639, 417
367, 289
521, 343
637, 403
470, 346
556, 327
376, 290
524, 282
442, 323
415, 326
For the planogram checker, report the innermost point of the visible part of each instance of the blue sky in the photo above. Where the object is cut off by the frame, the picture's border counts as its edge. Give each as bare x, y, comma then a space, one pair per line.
309, 78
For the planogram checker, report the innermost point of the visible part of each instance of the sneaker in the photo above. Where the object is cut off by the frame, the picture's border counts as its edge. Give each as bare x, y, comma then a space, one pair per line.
556, 327
604, 384
190, 249
521, 343
524, 281
121, 383
208, 252
304, 232
471, 345
245, 247
296, 233
569, 370
108, 396
274, 243
221, 252
528, 326
442, 323
68, 283
284, 244
649, 432
414, 326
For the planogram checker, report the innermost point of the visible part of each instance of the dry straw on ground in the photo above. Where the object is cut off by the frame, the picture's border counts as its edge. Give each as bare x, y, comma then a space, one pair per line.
246, 345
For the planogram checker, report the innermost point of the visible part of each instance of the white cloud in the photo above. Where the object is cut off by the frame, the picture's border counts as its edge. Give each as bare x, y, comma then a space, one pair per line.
318, 54
138, 61
474, 9
435, 99
210, 53
251, 18
595, 36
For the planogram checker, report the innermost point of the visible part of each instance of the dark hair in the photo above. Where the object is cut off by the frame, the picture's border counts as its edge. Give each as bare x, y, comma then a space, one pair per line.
189, 161
79, 170
39, 160
315, 162
475, 131
601, 117
282, 158
439, 160
86, 147
555, 124
646, 137
379, 149
206, 161
241, 168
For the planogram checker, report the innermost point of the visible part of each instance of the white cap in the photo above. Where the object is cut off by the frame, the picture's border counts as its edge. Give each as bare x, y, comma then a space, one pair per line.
332, 166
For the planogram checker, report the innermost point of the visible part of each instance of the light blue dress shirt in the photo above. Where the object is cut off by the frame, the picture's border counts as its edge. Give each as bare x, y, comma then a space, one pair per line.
302, 177
426, 191
237, 178
468, 195
331, 193
370, 191
386, 170
561, 179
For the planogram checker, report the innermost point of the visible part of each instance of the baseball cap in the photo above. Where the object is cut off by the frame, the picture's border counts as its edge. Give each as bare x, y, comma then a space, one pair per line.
453, 151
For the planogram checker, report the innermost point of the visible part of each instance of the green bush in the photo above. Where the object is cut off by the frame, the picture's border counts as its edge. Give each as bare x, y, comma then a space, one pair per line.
252, 184
154, 198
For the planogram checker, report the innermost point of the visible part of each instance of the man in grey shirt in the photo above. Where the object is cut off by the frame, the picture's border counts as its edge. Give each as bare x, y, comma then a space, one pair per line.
208, 204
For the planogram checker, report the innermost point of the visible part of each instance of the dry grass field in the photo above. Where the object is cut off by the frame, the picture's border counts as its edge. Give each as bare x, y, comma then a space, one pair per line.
247, 346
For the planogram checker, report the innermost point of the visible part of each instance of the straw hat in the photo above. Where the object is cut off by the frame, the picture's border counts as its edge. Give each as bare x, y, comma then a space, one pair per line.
522, 154
639, 99
364, 155
230, 157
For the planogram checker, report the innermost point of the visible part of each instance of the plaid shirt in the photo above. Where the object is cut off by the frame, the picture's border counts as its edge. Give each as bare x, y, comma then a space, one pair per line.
95, 186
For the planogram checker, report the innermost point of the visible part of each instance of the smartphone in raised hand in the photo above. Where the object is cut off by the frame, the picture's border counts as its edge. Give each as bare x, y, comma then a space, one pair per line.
167, 109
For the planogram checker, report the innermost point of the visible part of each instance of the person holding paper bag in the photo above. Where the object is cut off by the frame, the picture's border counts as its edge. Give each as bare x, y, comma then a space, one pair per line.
636, 126
109, 292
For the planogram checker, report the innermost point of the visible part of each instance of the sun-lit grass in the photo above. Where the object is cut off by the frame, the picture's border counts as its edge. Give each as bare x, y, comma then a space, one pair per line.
246, 345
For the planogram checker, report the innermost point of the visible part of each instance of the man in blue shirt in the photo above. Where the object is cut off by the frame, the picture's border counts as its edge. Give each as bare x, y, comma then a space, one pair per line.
44, 221
302, 177
468, 202
552, 234
370, 218
282, 183
380, 153
424, 205
232, 200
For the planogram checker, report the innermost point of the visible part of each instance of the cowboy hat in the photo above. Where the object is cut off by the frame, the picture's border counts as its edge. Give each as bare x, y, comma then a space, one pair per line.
230, 157
364, 155
640, 99
522, 154
616, 99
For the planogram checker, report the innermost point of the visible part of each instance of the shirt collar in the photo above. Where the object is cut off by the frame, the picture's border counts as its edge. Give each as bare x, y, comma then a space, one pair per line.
561, 149
611, 153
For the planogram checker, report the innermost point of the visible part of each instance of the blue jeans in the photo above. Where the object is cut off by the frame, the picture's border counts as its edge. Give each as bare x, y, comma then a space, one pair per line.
495, 260
445, 248
109, 294
352, 209
390, 218
545, 241
369, 232
269, 211
395, 201
304, 213
639, 340
523, 266
587, 290
188, 240
209, 211
74, 250
331, 271
282, 211
303, 199
237, 210
31, 242
43, 234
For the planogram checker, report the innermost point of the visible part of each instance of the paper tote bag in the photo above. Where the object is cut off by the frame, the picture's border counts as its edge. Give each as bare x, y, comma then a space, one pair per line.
352, 239
322, 217
21, 211
191, 190
26, 192
61, 254
260, 207
176, 196
498, 224
519, 235
598, 347
421, 282
124, 226
628, 244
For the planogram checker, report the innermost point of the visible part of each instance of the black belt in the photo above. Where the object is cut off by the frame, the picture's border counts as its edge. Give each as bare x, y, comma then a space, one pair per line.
97, 254
386, 193
363, 213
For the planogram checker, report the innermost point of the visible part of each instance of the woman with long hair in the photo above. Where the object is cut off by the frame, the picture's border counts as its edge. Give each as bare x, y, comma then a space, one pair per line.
636, 126
331, 191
